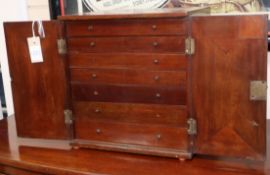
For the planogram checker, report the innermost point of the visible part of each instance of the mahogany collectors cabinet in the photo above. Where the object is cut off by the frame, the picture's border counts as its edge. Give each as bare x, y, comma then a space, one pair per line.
169, 82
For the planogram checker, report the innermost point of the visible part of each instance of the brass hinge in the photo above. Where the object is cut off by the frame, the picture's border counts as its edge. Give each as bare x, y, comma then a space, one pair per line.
192, 126
62, 46
68, 117
189, 46
258, 90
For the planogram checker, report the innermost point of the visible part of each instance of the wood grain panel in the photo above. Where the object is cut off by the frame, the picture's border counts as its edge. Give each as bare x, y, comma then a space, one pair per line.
127, 27
134, 61
156, 136
170, 115
129, 94
128, 76
167, 44
16, 171
39, 90
230, 124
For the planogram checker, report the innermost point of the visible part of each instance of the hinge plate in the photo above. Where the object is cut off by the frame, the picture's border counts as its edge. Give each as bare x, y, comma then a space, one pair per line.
62, 46
189, 46
192, 126
258, 90
68, 117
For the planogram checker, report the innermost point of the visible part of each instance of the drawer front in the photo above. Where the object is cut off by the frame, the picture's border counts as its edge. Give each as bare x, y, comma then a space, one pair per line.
127, 27
166, 115
133, 61
128, 76
171, 137
163, 44
129, 94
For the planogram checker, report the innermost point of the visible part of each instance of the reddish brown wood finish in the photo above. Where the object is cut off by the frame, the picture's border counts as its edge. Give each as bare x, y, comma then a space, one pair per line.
85, 162
129, 76
113, 67
167, 115
211, 86
153, 44
17, 171
38, 89
229, 55
117, 132
129, 94
140, 61
127, 27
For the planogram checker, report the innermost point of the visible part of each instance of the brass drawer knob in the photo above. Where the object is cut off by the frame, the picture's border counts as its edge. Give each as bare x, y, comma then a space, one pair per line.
92, 44
98, 131
94, 75
156, 78
155, 44
154, 27
157, 115
158, 136
96, 93
90, 27
158, 95
156, 61
97, 110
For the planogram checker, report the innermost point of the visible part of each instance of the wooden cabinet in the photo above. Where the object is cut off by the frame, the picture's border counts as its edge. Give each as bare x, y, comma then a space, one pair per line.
167, 83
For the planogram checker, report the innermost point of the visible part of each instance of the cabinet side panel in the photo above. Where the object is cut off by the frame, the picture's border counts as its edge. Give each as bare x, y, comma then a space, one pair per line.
39, 89
231, 51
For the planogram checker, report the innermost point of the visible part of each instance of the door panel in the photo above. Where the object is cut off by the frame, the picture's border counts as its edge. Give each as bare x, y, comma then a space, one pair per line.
230, 52
39, 89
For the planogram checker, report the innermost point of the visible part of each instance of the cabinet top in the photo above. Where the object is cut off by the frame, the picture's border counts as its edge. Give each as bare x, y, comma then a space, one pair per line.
131, 14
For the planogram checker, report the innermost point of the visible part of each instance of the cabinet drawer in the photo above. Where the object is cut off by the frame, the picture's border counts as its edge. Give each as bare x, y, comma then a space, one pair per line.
134, 61
167, 44
129, 94
166, 115
128, 76
157, 136
127, 27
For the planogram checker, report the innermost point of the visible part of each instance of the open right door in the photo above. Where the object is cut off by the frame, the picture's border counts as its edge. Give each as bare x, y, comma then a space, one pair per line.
229, 70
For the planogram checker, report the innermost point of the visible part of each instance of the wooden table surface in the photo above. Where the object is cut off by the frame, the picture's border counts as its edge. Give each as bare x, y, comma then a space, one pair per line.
56, 161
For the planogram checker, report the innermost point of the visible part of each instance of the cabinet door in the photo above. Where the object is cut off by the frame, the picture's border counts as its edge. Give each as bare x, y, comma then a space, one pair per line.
231, 51
39, 89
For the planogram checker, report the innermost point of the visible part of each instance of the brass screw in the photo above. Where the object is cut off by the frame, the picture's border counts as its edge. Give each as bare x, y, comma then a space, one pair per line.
94, 75
98, 131
158, 136
90, 27
156, 78
156, 61
97, 110
95, 92
155, 44
158, 95
154, 27
92, 44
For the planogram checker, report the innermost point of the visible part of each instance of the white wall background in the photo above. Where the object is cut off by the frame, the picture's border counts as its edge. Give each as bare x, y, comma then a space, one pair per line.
38, 9
11, 10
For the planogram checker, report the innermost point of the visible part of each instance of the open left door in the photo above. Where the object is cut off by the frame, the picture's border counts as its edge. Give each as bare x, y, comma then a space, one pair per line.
39, 89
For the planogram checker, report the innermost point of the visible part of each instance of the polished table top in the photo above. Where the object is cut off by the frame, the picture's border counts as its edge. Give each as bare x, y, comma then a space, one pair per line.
65, 161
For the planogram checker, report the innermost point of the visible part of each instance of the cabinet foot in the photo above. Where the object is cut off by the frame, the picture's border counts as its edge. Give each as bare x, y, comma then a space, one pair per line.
75, 147
182, 160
